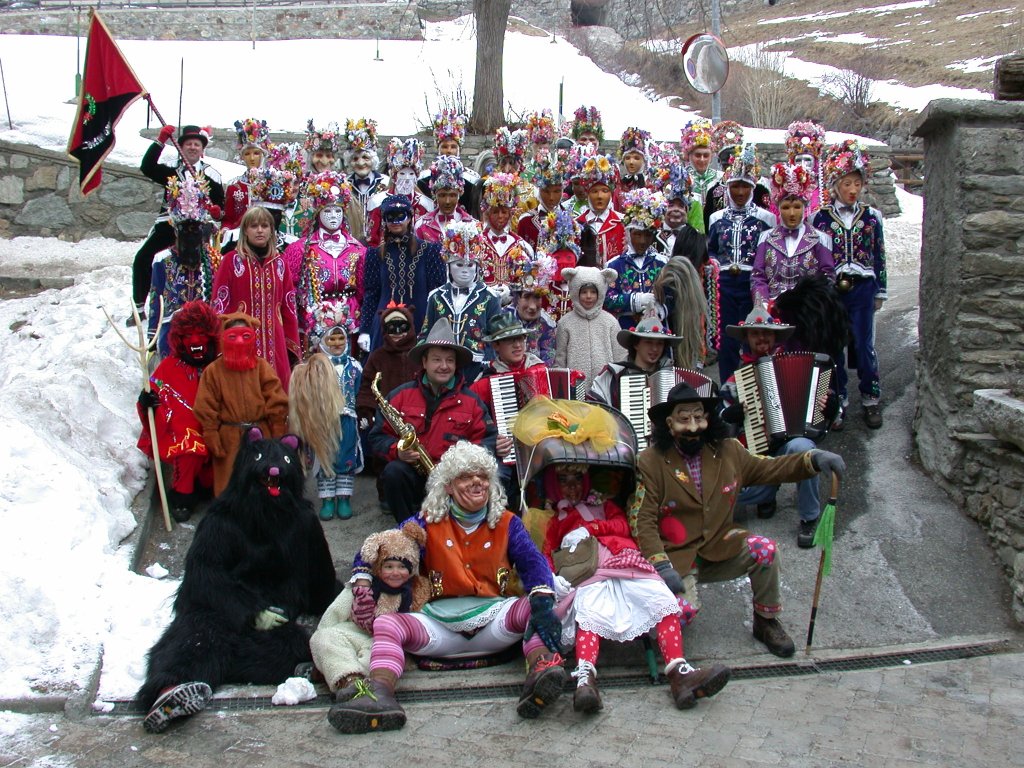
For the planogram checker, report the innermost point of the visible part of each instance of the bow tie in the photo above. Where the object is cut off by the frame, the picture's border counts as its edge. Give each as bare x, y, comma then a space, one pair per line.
631, 179
847, 208
457, 291
443, 219
496, 239
334, 237
790, 232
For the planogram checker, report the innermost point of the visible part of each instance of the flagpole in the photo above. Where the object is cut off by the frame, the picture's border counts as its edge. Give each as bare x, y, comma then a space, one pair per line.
6, 102
174, 142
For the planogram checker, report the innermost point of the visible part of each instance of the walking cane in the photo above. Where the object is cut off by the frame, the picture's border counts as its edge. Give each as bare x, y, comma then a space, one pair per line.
823, 538
144, 349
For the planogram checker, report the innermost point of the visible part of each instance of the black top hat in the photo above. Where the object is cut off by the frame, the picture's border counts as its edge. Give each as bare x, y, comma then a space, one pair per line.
441, 335
194, 132
680, 393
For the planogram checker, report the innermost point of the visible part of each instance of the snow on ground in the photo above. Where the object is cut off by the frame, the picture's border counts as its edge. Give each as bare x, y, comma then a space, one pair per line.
878, 10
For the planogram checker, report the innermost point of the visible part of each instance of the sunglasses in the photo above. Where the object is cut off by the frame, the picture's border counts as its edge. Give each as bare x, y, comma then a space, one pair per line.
396, 326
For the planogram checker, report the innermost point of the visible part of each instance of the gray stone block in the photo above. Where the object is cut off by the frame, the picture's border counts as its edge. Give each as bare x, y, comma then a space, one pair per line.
49, 212
125, 192
12, 190
43, 177
19, 161
135, 224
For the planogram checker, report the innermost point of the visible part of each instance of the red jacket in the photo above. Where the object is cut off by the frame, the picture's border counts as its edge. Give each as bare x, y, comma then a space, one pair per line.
459, 414
613, 531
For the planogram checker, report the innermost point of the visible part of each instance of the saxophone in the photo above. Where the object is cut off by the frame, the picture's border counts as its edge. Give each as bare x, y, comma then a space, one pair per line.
407, 440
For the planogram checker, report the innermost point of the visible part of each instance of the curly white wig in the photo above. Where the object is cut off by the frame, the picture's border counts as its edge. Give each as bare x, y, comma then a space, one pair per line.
463, 458
349, 155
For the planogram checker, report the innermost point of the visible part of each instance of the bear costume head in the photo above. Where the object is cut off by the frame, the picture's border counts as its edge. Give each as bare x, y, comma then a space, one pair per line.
401, 545
267, 471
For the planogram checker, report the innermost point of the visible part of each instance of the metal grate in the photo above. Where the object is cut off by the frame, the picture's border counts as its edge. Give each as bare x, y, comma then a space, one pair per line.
617, 679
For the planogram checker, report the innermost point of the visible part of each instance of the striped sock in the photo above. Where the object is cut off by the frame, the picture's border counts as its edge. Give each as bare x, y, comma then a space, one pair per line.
393, 635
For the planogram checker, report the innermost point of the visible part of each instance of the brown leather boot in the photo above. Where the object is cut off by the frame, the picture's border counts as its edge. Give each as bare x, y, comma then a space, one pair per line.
373, 707
689, 684
543, 685
586, 699
771, 633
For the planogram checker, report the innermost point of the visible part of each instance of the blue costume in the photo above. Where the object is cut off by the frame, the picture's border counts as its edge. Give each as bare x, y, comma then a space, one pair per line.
636, 274
176, 284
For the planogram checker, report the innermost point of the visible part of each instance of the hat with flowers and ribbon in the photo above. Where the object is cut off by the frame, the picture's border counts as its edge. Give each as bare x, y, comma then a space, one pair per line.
328, 315
643, 209
540, 127
805, 137
289, 157
726, 134
449, 125
695, 135
558, 231
760, 320
463, 240
252, 133
599, 169
587, 120
321, 140
662, 154
744, 165
534, 276
324, 189
273, 187
845, 158
546, 173
361, 135
501, 191
407, 153
575, 159
674, 182
508, 143
650, 327
446, 173
188, 199
634, 140
791, 180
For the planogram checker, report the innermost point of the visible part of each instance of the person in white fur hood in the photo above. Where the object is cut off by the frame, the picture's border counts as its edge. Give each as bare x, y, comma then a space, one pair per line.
585, 337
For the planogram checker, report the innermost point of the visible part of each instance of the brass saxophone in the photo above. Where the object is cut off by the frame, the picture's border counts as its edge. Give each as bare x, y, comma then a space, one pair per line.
407, 440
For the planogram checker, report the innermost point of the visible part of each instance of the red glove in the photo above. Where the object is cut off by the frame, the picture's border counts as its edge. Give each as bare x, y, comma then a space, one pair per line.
165, 133
363, 607
215, 211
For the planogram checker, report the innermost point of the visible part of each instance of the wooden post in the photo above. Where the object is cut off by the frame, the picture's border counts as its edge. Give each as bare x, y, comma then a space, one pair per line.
1009, 78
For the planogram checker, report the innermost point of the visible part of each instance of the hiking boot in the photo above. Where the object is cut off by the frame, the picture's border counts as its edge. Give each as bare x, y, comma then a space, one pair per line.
327, 508
586, 699
766, 510
805, 538
180, 701
771, 633
873, 416
688, 684
344, 510
543, 685
373, 706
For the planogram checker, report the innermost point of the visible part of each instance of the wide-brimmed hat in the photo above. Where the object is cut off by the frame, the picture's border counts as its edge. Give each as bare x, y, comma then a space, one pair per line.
760, 320
441, 335
680, 393
648, 328
505, 326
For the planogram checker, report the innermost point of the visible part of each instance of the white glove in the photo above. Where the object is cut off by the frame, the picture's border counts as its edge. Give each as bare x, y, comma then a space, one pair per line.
364, 342
364, 424
562, 587
574, 537
503, 293
640, 301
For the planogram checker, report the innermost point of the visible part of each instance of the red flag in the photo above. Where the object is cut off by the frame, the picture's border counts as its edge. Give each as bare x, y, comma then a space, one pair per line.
109, 87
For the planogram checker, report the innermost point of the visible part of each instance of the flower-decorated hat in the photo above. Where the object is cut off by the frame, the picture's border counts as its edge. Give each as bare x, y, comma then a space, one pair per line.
405, 154
449, 124
446, 173
559, 231
546, 173
662, 155
463, 240
540, 127
791, 180
575, 159
188, 199
643, 209
510, 143
587, 120
674, 182
845, 158
361, 135
324, 140
599, 169
501, 191
634, 140
760, 320
744, 165
273, 187
324, 189
725, 135
536, 276
288, 157
330, 315
650, 327
804, 137
696, 134
252, 133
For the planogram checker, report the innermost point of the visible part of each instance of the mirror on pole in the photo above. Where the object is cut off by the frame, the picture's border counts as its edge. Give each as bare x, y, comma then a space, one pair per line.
705, 63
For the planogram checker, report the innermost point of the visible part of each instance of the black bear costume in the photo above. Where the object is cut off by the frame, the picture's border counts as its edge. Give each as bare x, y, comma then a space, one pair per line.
258, 561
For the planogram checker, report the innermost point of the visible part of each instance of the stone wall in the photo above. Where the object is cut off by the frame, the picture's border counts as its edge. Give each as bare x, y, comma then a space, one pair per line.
972, 311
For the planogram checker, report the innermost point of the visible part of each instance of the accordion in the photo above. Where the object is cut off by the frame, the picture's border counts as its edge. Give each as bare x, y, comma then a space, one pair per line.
783, 397
638, 392
511, 391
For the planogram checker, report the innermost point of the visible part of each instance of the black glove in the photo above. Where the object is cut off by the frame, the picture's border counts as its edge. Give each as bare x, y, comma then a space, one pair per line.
670, 576
544, 622
824, 461
149, 399
733, 414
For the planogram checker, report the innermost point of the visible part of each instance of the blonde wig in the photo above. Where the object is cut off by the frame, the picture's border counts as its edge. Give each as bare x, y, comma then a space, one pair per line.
679, 280
463, 458
315, 405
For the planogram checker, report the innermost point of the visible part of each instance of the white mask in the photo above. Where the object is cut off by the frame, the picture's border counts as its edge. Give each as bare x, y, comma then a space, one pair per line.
331, 218
462, 272
405, 181
362, 164
807, 161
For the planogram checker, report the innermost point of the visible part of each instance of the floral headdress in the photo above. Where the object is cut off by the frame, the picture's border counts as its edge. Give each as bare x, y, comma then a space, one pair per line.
546, 173
361, 135
643, 209
727, 133
696, 133
576, 158
252, 133
744, 165
540, 126
463, 240
324, 189
663, 155
674, 182
501, 191
533, 276
588, 120
405, 154
634, 140
791, 180
188, 199
273, 187
329, 315
449, 124
559, 231
845, 158
599, 169
446, 173
804, 137
288, 157
325, 140
510, 143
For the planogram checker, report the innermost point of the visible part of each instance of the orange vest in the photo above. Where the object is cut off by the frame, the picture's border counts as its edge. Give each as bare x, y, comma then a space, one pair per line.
460, 564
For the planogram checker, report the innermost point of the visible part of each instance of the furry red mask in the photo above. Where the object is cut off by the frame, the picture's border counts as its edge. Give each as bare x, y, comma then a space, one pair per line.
239, 347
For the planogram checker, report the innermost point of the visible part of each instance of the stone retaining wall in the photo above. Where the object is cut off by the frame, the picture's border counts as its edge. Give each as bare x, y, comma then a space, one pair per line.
972, 311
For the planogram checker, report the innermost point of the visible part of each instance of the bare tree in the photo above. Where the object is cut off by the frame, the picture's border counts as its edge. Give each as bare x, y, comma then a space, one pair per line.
851, 89
765, 88
488, 89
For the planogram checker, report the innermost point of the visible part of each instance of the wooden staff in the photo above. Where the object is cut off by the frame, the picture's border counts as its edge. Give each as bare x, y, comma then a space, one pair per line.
826, 526
144, 349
